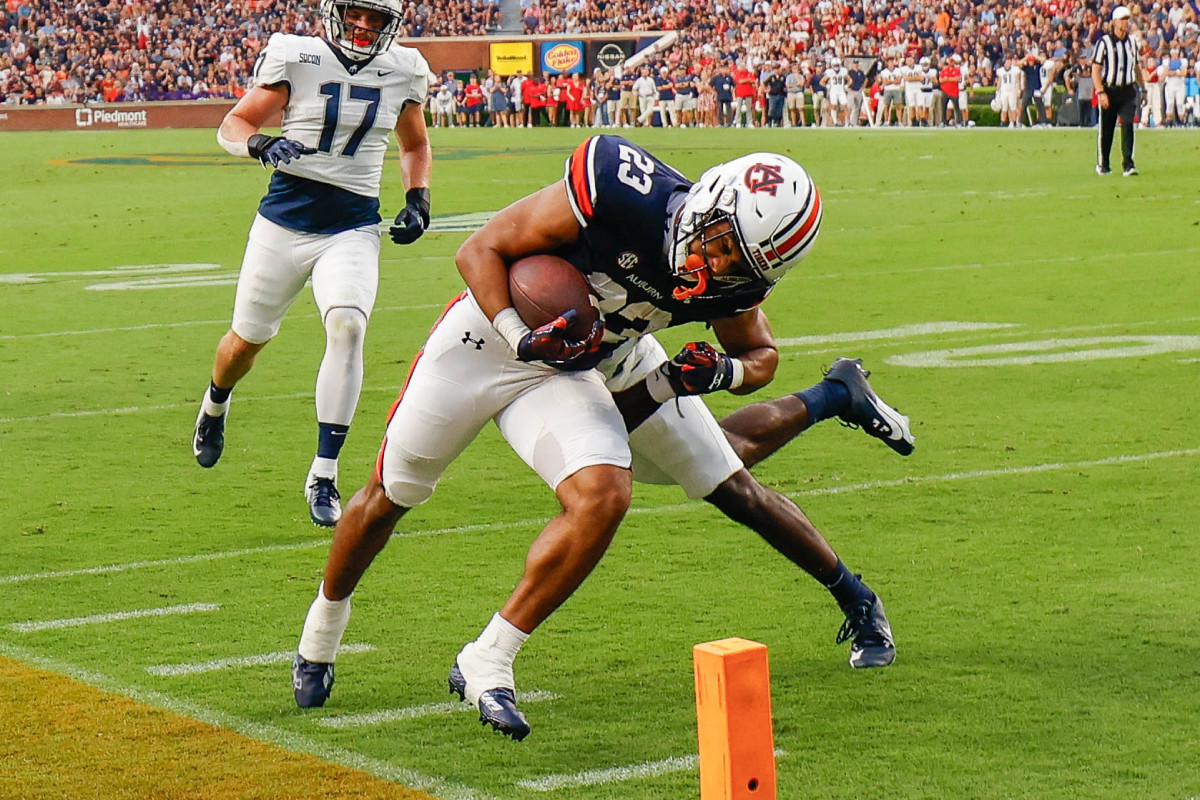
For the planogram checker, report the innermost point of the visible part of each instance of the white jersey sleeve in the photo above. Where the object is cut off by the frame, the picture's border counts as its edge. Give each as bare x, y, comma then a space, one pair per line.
345, 109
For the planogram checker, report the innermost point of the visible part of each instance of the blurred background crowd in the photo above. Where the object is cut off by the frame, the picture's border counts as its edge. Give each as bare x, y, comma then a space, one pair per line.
781, 62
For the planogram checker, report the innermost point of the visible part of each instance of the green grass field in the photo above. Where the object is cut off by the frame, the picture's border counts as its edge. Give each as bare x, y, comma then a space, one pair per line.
1038, 553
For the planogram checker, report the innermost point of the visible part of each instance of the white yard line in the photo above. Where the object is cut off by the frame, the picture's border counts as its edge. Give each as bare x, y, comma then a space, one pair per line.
597, 777
911, 480
262, 659
117, 616
191, 323
342, 721
271, 734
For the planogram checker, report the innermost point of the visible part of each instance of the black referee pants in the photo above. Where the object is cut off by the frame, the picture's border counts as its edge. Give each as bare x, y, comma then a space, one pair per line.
1122, 104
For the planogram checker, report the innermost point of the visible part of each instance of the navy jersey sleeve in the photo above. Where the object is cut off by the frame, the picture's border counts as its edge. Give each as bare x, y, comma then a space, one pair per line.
611, 179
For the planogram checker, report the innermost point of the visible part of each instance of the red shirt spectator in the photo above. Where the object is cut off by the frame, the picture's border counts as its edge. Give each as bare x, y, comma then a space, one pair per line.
474, 93
949, 78
745, 83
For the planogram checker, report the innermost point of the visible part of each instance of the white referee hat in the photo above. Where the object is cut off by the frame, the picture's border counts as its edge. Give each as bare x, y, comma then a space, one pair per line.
1121, 12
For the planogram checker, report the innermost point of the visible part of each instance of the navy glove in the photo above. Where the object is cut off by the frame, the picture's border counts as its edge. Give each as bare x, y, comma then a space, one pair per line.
550, 344
699, 369
412, 221
274, 150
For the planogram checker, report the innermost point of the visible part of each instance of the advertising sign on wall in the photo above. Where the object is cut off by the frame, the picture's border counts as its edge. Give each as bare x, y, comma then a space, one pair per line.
562, 57
508, 57
607, 55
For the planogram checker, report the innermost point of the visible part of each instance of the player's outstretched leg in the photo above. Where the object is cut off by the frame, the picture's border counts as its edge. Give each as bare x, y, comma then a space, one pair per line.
361, 533
235, 356
786, 528
594, 500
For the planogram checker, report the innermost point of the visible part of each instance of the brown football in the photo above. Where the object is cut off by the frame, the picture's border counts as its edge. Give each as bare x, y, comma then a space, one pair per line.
544, 287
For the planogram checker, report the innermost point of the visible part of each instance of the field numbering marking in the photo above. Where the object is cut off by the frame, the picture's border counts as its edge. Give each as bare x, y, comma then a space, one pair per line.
262, 659
117, 616
417, 712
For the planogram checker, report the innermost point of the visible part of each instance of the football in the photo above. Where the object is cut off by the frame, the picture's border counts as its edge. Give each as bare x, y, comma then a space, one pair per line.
544, 287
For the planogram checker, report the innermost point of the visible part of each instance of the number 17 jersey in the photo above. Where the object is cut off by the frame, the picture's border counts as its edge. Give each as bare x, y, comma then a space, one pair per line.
345, 109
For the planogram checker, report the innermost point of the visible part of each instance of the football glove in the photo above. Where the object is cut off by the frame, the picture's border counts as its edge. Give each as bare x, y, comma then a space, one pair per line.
550, 344
276, 150
699, 369
413, 219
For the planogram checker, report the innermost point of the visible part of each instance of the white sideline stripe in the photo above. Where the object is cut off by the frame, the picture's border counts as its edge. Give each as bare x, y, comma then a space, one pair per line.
159, 325
262, 659
597, 777
271, 734
417, 712
541, 521
97, 619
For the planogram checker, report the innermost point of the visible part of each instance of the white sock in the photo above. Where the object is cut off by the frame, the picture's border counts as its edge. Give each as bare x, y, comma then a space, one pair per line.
324, 468
214, 409
487, 662
323, 628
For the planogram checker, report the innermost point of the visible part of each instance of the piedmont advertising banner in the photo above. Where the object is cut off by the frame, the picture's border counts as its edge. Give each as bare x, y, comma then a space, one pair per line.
562, 57
508, 57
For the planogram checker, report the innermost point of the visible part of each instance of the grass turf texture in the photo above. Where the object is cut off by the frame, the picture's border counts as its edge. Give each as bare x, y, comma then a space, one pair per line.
1044, 615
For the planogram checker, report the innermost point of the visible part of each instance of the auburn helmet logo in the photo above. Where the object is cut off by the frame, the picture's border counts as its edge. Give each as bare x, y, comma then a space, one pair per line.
763, 178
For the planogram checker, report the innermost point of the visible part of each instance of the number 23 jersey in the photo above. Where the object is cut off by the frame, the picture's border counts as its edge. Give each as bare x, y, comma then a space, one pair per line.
344, 108
624, 200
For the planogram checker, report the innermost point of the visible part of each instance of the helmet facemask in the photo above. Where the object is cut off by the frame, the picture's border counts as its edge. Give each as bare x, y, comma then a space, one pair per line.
342, 33
706, 226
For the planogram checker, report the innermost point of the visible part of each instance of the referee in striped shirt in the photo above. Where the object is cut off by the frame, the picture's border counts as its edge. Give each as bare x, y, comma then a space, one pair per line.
1117, 77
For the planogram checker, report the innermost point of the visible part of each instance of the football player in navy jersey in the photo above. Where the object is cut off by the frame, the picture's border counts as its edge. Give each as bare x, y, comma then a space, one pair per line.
340, 96
657, 251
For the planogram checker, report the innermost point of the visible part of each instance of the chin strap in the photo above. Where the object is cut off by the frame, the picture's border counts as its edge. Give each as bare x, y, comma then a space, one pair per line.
682, 293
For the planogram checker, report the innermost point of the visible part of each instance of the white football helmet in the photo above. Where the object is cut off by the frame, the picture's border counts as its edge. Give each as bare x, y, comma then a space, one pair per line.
773, 209
333, 12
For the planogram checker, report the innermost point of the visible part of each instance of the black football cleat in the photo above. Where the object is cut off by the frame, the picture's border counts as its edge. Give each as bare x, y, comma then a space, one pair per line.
868, 626
209, 440
867, 411
324, 502
312, 682
497, 707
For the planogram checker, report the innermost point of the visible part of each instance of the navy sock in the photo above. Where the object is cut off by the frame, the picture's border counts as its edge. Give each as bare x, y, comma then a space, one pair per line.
217, 394
826, 399
847, 589
330, 439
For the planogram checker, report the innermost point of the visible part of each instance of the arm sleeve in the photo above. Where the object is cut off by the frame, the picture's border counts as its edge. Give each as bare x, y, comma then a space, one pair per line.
271, 67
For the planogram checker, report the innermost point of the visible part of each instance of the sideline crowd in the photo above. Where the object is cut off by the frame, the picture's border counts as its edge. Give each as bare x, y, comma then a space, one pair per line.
737, 62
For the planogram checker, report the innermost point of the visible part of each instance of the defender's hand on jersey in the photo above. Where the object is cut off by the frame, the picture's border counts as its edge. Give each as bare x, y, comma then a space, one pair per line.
412, 221
699, 369
276, 150
550, 344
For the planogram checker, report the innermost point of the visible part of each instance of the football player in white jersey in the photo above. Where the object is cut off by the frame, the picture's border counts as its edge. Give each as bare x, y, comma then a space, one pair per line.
1010, 81
1174, 71
834, 80
341, 96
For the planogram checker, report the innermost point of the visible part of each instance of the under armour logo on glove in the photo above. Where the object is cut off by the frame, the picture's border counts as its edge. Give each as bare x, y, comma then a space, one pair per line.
699, 369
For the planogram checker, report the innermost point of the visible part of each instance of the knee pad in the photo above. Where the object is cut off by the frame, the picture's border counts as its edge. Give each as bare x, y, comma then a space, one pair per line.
406, 493
346, 324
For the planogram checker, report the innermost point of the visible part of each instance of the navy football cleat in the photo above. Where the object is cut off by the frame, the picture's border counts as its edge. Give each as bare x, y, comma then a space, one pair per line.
868, 626
324, 502
867, 411
497, 707
209, 440
311, 682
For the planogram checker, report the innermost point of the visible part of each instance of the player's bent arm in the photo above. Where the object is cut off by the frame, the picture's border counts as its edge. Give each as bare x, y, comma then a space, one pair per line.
416, 155
537, 223
748, 338
256, 108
